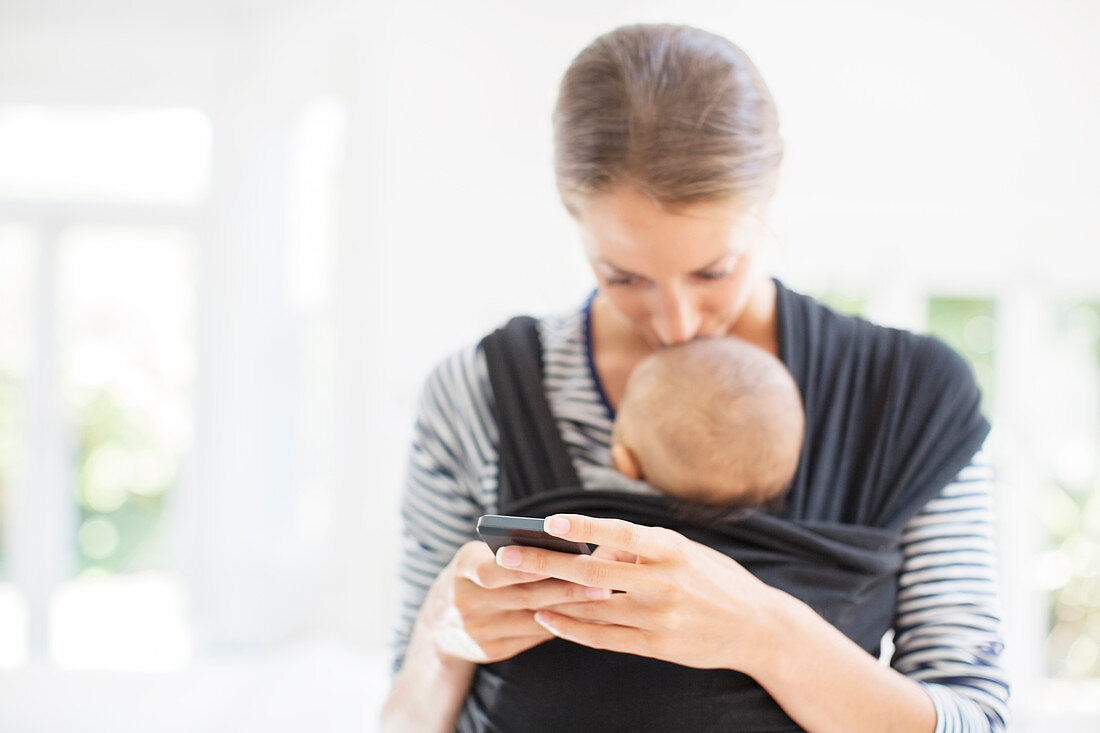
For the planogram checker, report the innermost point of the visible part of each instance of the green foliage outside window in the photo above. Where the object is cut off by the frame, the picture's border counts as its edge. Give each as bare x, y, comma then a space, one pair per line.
122, 481
1071, 510
844, 302
125, 318
967, 326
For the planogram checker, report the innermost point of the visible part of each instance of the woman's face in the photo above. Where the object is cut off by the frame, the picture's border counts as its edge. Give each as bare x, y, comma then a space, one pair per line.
673, 275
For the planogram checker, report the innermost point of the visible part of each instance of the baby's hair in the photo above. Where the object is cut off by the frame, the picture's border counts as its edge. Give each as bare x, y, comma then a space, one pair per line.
713, 409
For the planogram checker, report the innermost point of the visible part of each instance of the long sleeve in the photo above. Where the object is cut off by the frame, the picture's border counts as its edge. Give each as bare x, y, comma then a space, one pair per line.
947, 623
450, 480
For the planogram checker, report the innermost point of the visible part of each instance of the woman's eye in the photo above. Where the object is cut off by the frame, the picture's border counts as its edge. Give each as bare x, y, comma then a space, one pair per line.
621, 280
718, 275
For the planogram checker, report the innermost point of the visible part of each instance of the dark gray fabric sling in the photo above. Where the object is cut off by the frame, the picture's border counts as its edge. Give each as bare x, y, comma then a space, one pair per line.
891, 418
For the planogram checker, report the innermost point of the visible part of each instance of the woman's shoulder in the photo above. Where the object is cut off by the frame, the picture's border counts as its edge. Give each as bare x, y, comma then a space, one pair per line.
461, 370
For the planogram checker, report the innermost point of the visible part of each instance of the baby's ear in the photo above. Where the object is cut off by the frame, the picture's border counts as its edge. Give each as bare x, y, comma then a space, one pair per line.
625, 462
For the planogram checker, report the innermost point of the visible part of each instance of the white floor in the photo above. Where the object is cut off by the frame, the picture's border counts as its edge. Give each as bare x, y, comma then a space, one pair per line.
313, 685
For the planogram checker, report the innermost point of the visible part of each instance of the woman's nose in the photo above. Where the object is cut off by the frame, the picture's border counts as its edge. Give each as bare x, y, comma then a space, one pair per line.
676, 321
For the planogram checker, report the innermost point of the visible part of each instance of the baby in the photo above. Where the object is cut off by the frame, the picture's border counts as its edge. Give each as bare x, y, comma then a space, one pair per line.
714, 421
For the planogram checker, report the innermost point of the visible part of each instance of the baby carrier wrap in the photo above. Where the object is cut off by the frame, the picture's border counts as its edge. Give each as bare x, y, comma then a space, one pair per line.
891, 418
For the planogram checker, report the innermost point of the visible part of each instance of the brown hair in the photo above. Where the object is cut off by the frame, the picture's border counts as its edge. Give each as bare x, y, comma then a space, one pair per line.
680, 113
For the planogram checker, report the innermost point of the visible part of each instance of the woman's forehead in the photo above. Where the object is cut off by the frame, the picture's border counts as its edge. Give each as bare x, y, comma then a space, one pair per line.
628, 230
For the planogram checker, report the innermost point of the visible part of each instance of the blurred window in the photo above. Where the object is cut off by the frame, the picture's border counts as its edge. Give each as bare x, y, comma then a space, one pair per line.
17, 274
119, 300
104, 155
1071, 504
854, 304
127, 341
966, 325
1068, 450
126, 329
17, 271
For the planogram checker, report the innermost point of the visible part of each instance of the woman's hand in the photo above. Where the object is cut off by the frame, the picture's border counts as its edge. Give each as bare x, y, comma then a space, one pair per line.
478, 611
684, 602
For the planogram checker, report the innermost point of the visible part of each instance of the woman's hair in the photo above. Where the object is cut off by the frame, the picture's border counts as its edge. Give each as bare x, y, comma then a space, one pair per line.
679, 113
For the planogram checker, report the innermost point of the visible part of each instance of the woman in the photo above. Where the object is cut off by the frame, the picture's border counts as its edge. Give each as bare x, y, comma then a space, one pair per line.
667, 152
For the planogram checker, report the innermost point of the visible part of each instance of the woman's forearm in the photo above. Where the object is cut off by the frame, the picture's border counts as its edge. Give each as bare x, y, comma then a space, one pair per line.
827, 683
428, 691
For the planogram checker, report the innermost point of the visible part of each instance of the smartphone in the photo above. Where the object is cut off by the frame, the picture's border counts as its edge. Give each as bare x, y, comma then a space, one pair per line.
498, 530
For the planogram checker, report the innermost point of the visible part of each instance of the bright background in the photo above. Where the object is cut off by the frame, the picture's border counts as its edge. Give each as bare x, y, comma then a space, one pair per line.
236, 234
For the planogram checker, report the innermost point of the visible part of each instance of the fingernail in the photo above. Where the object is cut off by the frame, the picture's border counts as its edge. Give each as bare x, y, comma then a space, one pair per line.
557, 525
508, 556
597, 594
544, 620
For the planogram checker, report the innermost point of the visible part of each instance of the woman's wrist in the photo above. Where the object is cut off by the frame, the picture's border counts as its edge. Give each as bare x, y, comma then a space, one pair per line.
782, 617
428, 629
428, 673
825, 682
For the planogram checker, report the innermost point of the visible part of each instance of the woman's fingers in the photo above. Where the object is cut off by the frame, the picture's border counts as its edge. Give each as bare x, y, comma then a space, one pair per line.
502, 625
612, 611
464, 614
550, 592
654, 543
581, 569
476, 563
595, 635
616, 537
610, 553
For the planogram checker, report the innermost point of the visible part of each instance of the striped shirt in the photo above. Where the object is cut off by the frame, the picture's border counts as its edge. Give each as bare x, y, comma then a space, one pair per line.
947, 623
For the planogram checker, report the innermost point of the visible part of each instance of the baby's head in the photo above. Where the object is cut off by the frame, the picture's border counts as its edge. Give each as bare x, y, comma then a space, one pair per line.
716, 421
